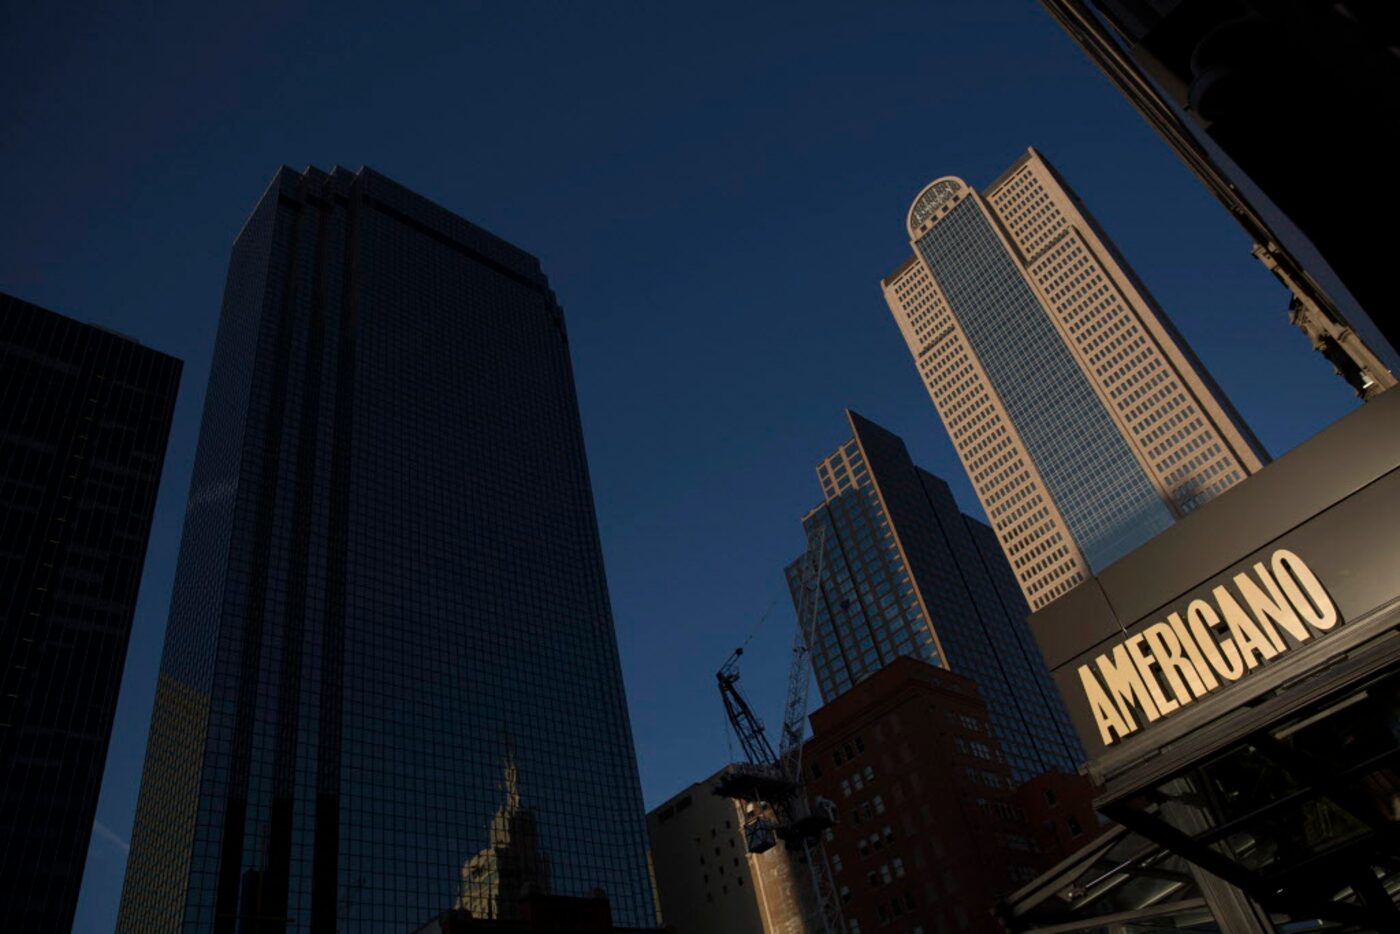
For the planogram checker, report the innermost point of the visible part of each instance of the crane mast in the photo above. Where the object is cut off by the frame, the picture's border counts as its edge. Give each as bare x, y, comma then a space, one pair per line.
799, 674
770, 783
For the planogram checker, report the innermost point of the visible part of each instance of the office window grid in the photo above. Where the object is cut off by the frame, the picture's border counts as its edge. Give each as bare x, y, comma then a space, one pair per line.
390, 609
906, 573
169, 806
1108, 503
1043, 555
1107, 335
1188, 444
869, 614
1028, 211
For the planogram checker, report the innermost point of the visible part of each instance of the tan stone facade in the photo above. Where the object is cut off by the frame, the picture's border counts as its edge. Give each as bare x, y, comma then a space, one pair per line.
706, 880
1031, 531
1175, 421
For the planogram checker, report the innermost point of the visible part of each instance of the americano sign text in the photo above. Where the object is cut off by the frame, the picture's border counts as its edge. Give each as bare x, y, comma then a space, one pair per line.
1206, 644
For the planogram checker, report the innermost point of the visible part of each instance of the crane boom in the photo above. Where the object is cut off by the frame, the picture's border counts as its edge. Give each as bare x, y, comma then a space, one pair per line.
745, 722
771, 783
800, 674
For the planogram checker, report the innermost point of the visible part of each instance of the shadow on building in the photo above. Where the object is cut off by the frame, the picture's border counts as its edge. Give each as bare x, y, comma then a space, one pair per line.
535, 912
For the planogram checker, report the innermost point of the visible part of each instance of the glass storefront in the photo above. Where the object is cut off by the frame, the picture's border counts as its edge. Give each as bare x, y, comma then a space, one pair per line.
1303, 812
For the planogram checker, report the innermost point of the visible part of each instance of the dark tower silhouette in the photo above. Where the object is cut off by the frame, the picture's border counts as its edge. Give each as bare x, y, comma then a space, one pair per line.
84, 419
1282, 104
390, 557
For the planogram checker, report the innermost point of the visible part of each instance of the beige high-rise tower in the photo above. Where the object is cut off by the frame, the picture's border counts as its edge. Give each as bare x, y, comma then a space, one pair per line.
1082, 418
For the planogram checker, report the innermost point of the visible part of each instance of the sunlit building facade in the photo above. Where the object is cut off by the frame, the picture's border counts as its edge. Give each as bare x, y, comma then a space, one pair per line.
707, 881
905, 573
390, 687
1082, 418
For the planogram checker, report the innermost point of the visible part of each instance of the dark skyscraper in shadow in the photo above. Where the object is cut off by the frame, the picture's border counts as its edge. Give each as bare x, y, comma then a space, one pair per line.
84, 419
390, 582
904, 572
1275, 105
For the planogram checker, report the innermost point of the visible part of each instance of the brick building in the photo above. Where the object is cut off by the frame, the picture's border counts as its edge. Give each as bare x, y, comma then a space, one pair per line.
930, 828
1059, 809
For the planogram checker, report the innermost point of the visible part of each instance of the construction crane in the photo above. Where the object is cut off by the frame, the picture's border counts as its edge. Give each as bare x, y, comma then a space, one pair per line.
770, 783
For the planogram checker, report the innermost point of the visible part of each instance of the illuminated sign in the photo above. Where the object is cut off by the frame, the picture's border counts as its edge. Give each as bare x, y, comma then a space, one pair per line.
1209, 642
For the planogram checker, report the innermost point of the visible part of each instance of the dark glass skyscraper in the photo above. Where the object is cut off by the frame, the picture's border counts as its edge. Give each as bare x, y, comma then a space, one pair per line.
390, 594
84, 419
904, 572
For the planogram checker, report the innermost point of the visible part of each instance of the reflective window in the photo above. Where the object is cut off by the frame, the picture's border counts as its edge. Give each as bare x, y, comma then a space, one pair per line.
390, 686
1106, 498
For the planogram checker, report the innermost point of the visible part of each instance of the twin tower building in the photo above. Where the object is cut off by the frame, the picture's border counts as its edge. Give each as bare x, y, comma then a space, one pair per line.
391, 690
1082, 418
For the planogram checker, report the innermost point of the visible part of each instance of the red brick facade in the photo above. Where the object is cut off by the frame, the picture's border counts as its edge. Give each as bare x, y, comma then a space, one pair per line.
1059, 809
930, 828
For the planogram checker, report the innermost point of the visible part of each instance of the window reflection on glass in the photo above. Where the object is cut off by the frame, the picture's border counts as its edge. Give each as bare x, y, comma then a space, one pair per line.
1288, 835
1244, 780
1304, 788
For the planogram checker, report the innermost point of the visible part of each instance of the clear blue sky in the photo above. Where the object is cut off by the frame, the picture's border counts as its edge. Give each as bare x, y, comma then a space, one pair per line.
714, 190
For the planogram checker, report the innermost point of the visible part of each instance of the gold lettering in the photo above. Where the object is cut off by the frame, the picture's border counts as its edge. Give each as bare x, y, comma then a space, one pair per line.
1224, 658
1144, 661
1291, 570
1193, 652
1106, 716
1270, 609
1172, 663
1247, 635
1125, 684
1166, 648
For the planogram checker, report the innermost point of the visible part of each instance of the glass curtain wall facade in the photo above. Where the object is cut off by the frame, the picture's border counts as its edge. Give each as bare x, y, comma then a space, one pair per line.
84, 423
1084, 421
905, 573
1107, 500
390, 613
